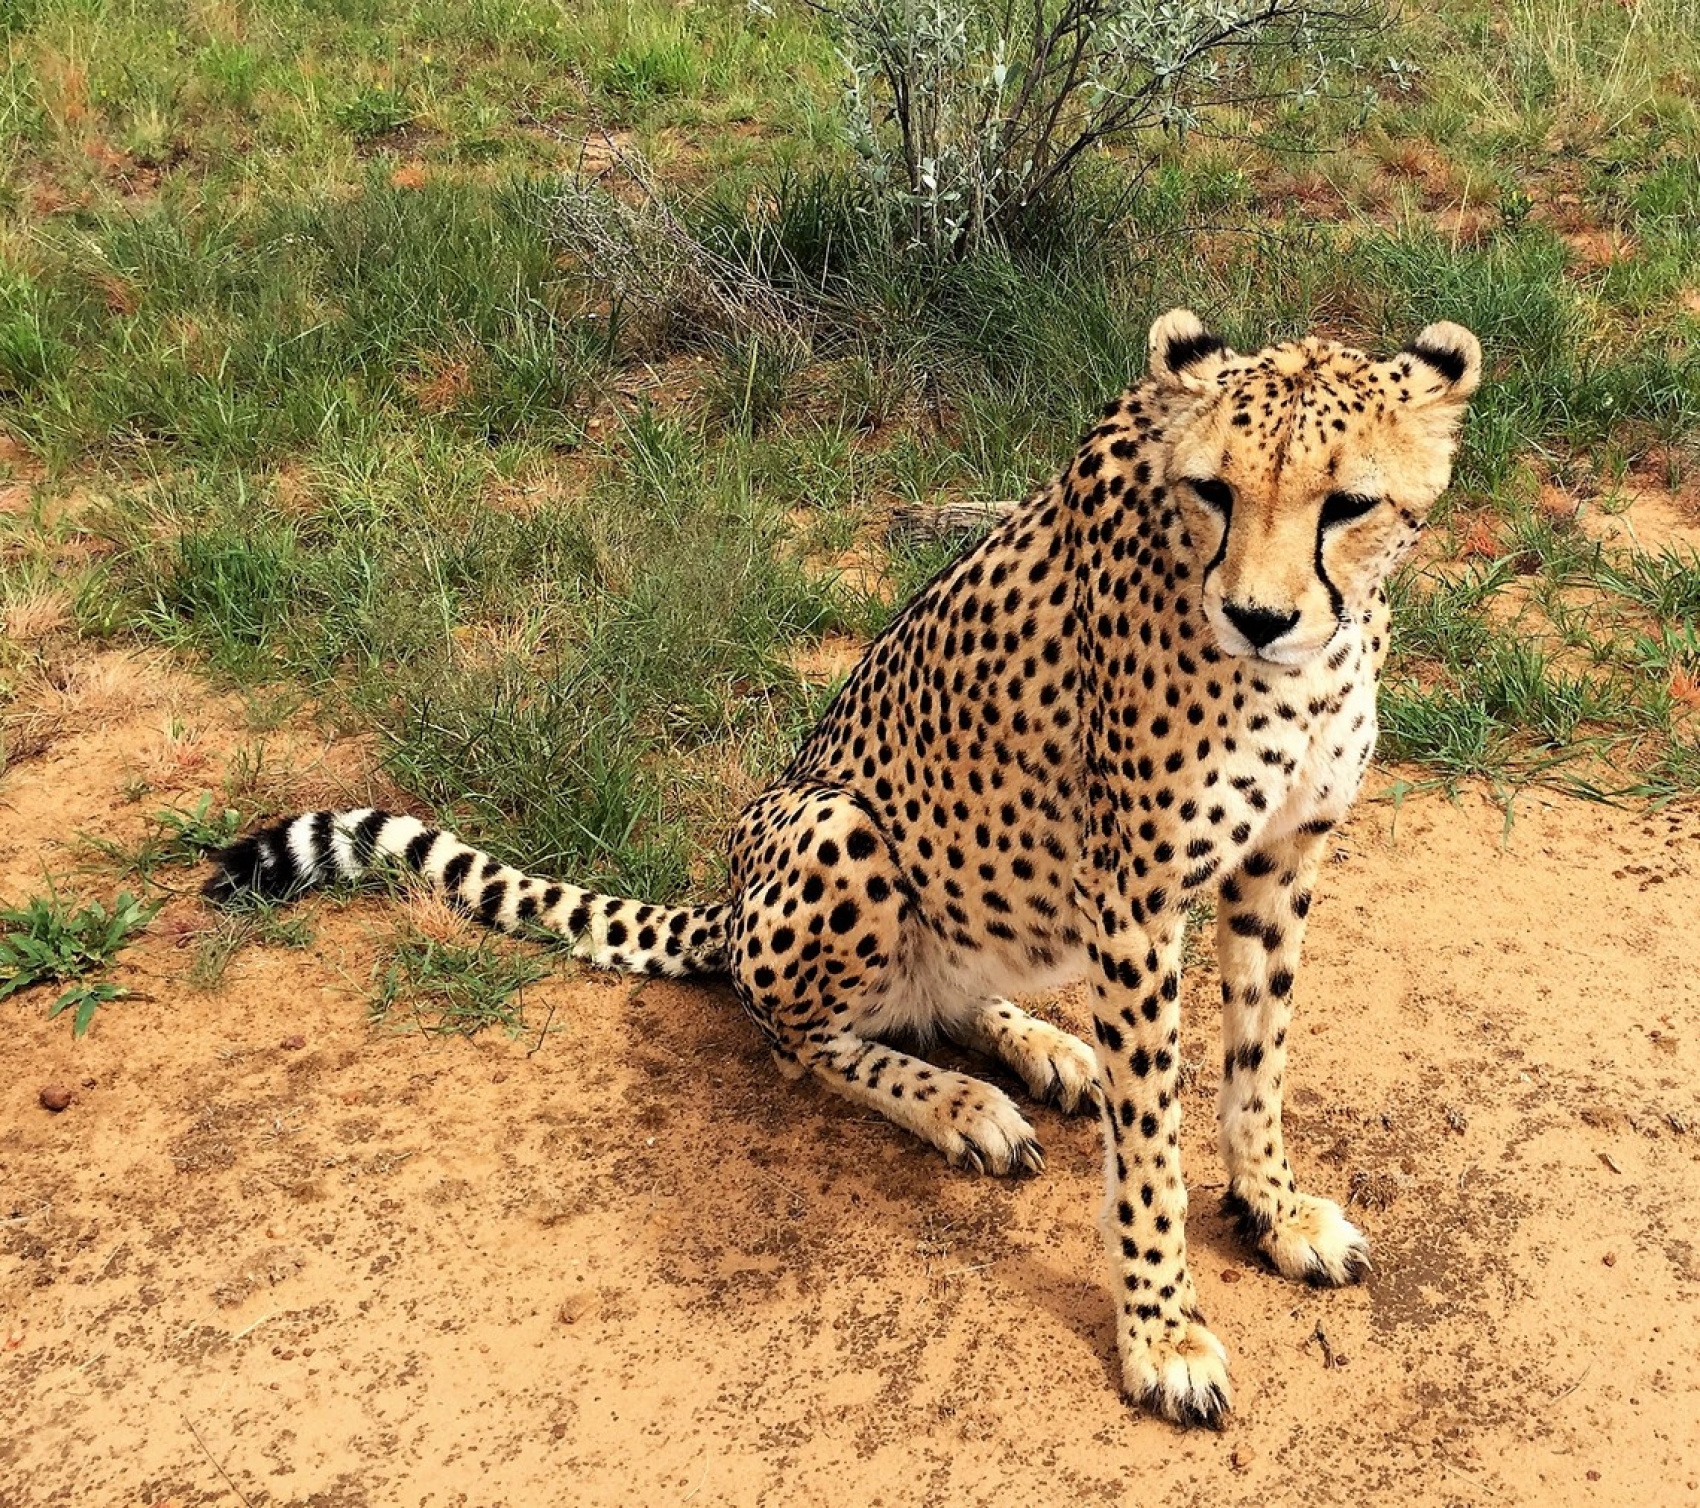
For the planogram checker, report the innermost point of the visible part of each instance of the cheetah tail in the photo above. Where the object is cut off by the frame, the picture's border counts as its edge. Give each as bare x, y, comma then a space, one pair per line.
292, 856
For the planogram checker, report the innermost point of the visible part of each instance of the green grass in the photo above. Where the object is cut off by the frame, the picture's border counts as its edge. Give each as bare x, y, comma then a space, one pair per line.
447, 988
178, 838
285, 290
47, 943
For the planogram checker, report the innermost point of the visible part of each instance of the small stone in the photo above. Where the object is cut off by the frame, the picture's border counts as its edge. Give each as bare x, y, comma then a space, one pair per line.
1230, 1275
56, 1097
1242, 1457
1609, 1259
293, 1043
499, 1076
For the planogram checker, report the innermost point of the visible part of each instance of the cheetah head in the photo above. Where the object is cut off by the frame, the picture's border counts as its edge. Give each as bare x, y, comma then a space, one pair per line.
1302, 474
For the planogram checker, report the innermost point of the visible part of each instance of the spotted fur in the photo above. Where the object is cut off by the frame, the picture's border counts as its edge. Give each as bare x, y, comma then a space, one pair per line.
1153, 681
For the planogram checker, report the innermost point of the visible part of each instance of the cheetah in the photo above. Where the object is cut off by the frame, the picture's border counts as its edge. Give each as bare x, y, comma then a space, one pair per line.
1152, 682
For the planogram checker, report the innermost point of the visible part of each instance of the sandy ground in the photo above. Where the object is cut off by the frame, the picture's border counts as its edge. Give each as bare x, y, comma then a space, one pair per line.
273, 1255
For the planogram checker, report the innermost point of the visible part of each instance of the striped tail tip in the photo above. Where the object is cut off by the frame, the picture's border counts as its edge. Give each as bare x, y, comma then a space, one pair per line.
284, 859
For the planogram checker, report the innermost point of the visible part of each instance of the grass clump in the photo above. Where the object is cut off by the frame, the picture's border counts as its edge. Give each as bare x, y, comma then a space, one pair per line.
49, 943
178, 838
451, 988
248, 923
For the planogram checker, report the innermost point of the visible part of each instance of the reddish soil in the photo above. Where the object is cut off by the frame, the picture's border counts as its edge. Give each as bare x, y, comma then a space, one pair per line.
274, 1255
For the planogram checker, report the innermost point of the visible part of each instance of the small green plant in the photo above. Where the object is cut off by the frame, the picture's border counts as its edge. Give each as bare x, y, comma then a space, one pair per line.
640, 72
749, 385
374, 112
179, 838
453, 989
50, 944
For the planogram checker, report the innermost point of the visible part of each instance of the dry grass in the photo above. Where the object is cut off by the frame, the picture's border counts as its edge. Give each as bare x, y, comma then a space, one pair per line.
35, 614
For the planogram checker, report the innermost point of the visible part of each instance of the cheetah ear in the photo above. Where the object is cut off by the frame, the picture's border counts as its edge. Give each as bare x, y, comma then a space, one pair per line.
1452, 357
1184, 354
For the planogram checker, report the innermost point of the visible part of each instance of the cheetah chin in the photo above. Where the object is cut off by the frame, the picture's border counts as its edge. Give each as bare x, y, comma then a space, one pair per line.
1153, 681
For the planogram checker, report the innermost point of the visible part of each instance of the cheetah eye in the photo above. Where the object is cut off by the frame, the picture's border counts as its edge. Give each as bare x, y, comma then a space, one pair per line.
1214, 493
1343, 507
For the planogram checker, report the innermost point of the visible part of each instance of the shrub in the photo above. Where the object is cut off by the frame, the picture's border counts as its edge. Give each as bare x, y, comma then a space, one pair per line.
970, 116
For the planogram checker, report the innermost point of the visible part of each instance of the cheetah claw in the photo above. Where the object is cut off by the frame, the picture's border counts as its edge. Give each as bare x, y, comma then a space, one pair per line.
1025, 1157
1085, 1101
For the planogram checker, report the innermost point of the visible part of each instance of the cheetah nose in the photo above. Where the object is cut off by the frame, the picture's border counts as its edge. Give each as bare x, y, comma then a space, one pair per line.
1262, 626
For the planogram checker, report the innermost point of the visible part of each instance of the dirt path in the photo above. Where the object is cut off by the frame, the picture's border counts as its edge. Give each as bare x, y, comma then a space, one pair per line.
621, 1262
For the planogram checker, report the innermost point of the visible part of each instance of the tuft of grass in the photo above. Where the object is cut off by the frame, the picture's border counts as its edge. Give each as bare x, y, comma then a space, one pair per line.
249, 922
373, 112
51, 944
449, 988
179, 837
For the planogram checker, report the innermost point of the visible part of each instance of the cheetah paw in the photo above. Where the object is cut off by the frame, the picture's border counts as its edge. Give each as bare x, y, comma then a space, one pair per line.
1063, 1072
1183, 1376
1074, 1077
992, 1137
1308, 1239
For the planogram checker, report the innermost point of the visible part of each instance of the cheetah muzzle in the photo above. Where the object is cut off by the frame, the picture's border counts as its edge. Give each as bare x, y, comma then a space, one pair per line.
1153, 681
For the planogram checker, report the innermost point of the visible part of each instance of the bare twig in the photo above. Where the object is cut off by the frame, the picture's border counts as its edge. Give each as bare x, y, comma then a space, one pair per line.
1320, 1336
264, 1319
644, 253
214, 1459
542, 1035
1566, 1392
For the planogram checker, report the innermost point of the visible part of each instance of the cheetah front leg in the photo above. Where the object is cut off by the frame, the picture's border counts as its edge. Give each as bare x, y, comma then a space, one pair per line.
1260, 926
1170, 1360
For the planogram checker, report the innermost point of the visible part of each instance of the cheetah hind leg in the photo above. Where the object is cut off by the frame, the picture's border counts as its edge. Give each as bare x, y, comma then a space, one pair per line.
975, 1125
1055, 1066
812, 960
